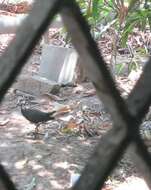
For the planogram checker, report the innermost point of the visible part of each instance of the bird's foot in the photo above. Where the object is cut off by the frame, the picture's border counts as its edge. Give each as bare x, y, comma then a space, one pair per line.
33, 135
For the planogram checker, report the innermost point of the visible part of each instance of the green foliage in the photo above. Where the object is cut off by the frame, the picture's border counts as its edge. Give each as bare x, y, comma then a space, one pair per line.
133, 65
94, 11
136, 18
104, 11
119, 68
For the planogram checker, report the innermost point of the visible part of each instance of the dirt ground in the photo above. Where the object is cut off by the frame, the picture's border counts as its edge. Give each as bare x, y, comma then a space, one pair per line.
65, 143
50, 161
46, 163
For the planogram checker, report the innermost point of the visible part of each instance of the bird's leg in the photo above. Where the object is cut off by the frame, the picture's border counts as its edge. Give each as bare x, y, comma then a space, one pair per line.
37, 128
36, 131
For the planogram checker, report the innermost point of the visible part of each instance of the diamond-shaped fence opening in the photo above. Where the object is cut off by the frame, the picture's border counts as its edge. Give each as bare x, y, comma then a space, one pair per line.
126, 114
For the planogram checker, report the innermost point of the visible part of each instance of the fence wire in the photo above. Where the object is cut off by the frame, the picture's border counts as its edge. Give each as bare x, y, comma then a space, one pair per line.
126, 114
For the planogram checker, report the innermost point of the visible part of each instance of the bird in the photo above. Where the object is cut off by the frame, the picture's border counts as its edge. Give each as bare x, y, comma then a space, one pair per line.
36, 116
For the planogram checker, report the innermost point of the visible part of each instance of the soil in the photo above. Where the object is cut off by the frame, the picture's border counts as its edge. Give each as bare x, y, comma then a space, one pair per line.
63, 147
50, 161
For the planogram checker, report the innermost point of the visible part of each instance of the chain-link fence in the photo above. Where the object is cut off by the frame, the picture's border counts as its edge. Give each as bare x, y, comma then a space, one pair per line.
126, 114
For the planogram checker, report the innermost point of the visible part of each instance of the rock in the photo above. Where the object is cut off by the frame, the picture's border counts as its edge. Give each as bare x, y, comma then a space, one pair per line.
58, 64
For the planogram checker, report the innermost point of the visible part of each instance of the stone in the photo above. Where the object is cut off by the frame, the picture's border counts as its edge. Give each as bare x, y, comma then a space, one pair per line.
58, 64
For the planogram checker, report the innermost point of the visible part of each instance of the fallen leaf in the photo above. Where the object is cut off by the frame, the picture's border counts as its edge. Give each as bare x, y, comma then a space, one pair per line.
70, 126
97, 114
21, 163
51, 97
88, 93
64, 109
4, 122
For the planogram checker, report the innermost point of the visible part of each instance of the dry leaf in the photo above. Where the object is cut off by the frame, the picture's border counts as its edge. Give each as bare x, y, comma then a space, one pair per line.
70, 126
4, 122
51, 97
63, 110
88, 93
66, 109
21, 163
